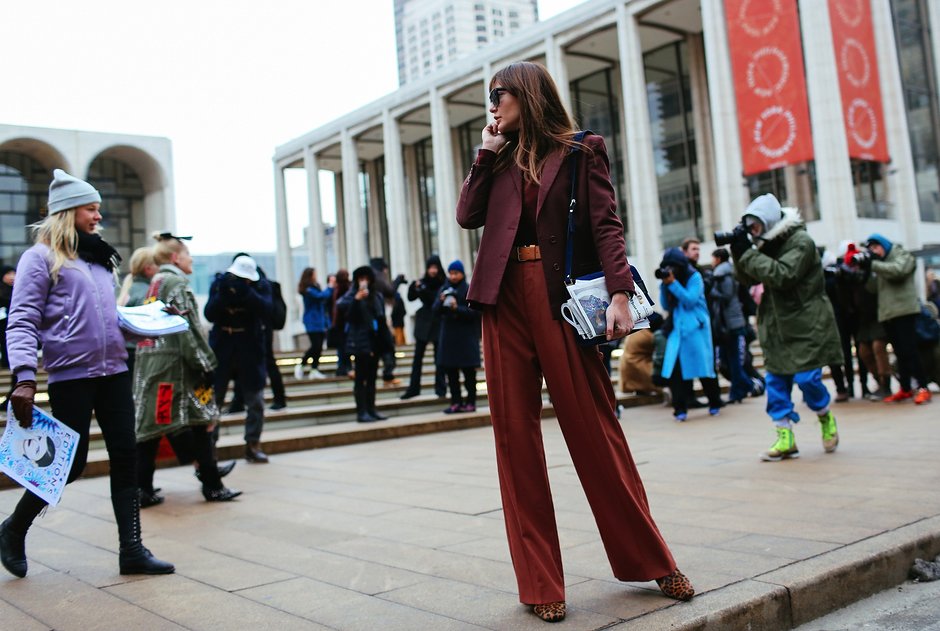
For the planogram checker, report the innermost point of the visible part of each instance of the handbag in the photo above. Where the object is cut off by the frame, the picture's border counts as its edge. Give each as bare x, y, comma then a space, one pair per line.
586, 310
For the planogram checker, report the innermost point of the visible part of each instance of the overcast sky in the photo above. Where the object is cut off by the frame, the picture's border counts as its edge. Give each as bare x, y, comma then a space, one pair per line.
225, 81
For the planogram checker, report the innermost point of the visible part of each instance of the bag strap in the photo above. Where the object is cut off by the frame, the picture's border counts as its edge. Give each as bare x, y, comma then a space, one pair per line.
572, 205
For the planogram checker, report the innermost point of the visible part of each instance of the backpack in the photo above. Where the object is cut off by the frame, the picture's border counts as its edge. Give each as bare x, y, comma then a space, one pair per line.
279, 310
926, 326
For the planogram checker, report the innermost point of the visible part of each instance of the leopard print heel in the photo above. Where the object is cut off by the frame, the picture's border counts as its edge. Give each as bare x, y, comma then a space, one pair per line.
550, 612
677, 586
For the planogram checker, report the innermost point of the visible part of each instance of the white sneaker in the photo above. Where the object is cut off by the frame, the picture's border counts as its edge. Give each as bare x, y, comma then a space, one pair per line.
299, 371
316, 374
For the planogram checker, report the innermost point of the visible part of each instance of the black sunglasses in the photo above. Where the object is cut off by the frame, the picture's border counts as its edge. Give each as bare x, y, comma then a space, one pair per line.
495, 94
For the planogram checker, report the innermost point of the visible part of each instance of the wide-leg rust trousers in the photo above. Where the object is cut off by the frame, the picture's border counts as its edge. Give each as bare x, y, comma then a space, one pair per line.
521, 343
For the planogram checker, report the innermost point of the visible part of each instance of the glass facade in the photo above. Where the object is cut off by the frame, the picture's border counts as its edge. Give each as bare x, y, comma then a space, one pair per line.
427, 204
871, 199
918, 81
122, 202
468, 138
24, 187
669, 94
596, 107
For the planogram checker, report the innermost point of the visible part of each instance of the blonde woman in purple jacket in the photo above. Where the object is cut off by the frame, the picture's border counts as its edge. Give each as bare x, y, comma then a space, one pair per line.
64, 300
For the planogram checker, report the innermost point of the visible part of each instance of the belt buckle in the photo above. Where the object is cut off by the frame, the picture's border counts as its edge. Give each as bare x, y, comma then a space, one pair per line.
519, 254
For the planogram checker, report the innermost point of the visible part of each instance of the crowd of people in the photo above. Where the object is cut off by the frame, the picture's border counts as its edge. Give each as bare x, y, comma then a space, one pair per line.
812, 312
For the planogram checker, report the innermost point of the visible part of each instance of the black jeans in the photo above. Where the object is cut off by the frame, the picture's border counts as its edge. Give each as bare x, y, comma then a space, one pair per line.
367, 368
316, 348
417, 367
72, 402
469, 382
202, 447
681, 390
903, 337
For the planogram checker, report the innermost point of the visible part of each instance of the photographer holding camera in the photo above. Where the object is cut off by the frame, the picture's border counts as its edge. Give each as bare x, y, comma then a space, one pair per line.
459, 343
427, 326
796, 325
689, 349
892, 273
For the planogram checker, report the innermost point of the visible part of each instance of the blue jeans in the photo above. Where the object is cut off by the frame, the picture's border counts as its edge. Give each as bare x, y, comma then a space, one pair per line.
779, 402
731, 352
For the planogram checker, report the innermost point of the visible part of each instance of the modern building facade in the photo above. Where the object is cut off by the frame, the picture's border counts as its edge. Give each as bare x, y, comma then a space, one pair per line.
433, 33
654, 77
133, 173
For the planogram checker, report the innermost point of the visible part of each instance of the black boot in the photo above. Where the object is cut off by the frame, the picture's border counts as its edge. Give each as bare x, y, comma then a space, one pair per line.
13, 533
253, 452
362, 408
13, 549
370, 404
134, 558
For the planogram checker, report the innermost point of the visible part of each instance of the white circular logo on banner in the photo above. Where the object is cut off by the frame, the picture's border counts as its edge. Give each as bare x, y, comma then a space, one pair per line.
859, 116
855, 63
769, 122
765, 78
849, 11
748, 22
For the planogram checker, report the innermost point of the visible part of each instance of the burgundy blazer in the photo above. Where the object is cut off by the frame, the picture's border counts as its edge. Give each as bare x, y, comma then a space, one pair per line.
495, 201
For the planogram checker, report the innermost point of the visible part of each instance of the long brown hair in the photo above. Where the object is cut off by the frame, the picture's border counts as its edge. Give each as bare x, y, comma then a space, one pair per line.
308, 278
544, 124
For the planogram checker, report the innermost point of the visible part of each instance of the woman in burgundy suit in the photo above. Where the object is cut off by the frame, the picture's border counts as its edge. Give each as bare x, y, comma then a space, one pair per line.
519, 188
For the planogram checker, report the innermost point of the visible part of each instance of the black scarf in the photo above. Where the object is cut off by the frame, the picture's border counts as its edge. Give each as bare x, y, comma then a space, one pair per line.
93, 249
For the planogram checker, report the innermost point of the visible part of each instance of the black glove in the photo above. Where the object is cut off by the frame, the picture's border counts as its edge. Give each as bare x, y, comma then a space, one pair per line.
740, 244
862, 259
22, 399
208, 379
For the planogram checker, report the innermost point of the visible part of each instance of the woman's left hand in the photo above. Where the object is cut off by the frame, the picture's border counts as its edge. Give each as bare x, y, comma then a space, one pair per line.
619, 320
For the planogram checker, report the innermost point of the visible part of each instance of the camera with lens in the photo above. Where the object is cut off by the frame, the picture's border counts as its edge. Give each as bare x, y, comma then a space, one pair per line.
727, 238
450, 291
663, 272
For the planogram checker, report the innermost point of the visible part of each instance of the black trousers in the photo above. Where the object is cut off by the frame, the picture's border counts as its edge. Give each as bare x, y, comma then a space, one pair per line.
903, 337
313, 353
72, 402
202, 448
418, 365
681, 390
367, 368
469, 383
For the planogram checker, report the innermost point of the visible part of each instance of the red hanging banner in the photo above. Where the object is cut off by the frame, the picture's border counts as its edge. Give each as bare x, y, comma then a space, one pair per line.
769, 84
853, 39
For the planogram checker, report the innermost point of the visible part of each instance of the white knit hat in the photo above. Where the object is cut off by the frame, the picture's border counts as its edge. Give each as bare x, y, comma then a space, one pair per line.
70, 192
244, 267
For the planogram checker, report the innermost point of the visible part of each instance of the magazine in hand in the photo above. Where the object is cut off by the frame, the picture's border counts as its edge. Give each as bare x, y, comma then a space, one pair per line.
586, 310
150, 320
38, 458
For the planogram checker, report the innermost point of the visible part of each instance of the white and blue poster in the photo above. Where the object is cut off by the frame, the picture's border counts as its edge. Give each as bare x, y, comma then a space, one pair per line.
38, 458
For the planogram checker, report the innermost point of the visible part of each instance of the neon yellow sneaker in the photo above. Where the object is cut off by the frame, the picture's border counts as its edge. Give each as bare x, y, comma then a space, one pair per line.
784, 448
830, 433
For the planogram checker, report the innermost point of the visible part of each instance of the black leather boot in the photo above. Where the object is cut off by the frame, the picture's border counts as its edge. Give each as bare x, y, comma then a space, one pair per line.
13, 549
254, 454
134, 558
370, 404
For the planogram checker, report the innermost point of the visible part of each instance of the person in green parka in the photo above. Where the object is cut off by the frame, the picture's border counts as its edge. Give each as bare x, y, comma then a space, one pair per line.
892, 277
796, 324
173, 376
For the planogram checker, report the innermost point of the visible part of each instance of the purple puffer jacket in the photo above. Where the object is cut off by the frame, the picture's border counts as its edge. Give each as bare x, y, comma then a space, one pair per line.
74, 319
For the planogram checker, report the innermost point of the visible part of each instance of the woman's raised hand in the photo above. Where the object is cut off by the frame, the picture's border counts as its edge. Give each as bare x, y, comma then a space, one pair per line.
492, 139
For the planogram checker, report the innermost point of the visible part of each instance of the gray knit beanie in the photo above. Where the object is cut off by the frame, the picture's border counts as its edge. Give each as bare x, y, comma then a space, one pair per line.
70, 192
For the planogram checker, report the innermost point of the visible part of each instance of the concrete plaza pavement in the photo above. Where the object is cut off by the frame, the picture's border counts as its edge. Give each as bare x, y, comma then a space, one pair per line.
408, 533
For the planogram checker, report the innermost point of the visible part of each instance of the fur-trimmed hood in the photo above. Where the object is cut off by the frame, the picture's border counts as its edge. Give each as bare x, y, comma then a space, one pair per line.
791, 219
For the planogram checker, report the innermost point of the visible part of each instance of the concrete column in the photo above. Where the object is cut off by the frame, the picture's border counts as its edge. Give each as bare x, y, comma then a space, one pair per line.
645, 217
401, 253
355, 238
374, 211
729, 193
412, 194
836, 195
900, 176
316, 245
285, 268
555, 62
341, 249
444, 178
701, 117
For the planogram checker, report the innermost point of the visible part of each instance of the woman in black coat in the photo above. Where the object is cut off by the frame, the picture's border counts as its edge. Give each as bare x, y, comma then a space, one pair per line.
459, 343
427, 325
367, 338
